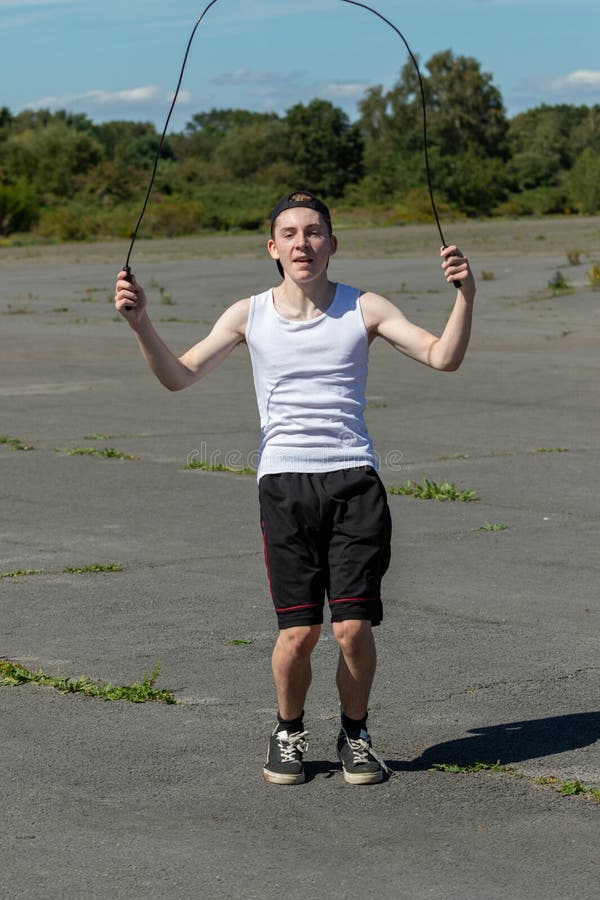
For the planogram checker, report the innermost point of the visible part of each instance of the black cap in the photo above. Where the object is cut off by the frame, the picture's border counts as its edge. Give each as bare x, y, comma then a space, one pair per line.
301, 198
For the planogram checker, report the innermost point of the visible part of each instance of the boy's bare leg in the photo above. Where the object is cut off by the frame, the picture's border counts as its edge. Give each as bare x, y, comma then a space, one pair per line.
356, 665
292, 669
356, 668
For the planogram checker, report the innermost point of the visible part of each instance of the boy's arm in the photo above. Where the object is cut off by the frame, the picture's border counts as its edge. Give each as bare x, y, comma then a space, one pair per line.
174, 372
446, 352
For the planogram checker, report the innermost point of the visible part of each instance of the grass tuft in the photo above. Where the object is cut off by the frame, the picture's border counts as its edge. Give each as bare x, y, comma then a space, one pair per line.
15, 443
455, 769
594, 275
104, 452
565, 788
13, 674
18, 573
431, 490
558, 283
491, 526
72, 570
219, 467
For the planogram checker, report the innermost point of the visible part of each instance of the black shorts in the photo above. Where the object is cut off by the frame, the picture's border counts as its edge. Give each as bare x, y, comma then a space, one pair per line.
325, 533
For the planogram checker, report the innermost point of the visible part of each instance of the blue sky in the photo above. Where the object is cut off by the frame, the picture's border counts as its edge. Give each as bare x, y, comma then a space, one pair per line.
120, 60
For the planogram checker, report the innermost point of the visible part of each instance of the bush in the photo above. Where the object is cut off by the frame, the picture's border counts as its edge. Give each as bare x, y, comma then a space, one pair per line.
19, 207
64, 224
172, 217
583, 182
539, 201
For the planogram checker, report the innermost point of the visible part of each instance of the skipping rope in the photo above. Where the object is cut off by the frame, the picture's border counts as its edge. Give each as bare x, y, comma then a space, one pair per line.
370, 9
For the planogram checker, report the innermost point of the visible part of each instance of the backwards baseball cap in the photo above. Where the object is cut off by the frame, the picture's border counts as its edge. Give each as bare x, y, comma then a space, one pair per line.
301, 198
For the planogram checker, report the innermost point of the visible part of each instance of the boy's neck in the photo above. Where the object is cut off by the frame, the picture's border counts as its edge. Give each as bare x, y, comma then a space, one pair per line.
307, 301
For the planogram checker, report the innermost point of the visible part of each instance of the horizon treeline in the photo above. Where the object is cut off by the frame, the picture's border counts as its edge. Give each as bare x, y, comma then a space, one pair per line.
64, 177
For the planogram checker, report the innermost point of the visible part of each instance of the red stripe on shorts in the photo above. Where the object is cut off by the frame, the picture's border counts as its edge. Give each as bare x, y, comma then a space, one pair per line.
354, 599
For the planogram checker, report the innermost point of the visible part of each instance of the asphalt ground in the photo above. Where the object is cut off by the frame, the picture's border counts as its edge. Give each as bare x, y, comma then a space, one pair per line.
488, 652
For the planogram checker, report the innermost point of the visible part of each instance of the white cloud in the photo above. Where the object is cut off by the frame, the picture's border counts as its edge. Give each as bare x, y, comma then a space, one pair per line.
343, 90
256, 76
580, 79
574, 84
140, 96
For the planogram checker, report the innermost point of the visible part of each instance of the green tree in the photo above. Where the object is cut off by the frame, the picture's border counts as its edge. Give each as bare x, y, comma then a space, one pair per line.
583, 182
50, 158
132, 144
465, 109
205, 131
324, 149
467, 134
247, 149
541, 144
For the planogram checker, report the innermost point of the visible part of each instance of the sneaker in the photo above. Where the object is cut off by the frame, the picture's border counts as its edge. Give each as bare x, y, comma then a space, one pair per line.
359, 761
284, 757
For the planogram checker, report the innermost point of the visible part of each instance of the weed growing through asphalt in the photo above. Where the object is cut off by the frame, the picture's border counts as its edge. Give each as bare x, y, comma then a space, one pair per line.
165, 299
492, 526
455, 456
558, 283
15, 443
431, 490
20, 573
13, 674
551, 450
238, 642
594, 275
564, 333
455, 769
219, 467
573, 257
104, 452
69, 570
18, 310
97, 437
565, 788
487, 275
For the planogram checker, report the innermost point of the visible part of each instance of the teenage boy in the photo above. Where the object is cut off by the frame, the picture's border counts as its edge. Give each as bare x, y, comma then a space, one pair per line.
324, 513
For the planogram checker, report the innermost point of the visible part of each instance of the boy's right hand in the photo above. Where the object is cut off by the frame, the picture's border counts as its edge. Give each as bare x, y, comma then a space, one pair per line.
130, 299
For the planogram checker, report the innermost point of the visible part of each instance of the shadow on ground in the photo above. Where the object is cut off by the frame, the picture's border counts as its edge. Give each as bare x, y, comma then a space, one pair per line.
507, 743
511, 742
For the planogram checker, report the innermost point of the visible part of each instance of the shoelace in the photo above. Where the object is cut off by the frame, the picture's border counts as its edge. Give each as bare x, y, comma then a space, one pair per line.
290, 746
362, 750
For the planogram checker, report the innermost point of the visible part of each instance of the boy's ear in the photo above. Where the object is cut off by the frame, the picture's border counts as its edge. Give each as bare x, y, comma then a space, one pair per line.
272, 249
334, 244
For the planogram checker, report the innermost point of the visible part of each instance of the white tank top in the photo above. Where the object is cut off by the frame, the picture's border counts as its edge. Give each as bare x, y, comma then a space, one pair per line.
310, 378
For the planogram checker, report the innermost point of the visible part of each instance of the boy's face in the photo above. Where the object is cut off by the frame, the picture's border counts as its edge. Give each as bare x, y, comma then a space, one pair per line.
302, 243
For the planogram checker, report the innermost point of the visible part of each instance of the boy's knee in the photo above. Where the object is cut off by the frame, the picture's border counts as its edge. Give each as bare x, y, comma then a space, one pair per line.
300, 640
352, 634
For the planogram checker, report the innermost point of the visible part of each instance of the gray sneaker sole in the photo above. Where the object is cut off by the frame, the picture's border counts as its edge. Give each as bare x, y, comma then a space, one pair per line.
361, 777
283, 777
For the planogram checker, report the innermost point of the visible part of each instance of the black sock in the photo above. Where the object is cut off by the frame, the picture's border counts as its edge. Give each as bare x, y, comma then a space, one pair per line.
292, 726
353, 727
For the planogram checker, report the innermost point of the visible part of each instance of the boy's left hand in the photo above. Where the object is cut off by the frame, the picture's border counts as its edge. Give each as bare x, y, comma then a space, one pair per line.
456, 268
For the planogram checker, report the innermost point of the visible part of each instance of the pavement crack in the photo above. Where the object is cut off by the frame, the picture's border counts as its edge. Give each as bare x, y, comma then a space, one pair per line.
491, 685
